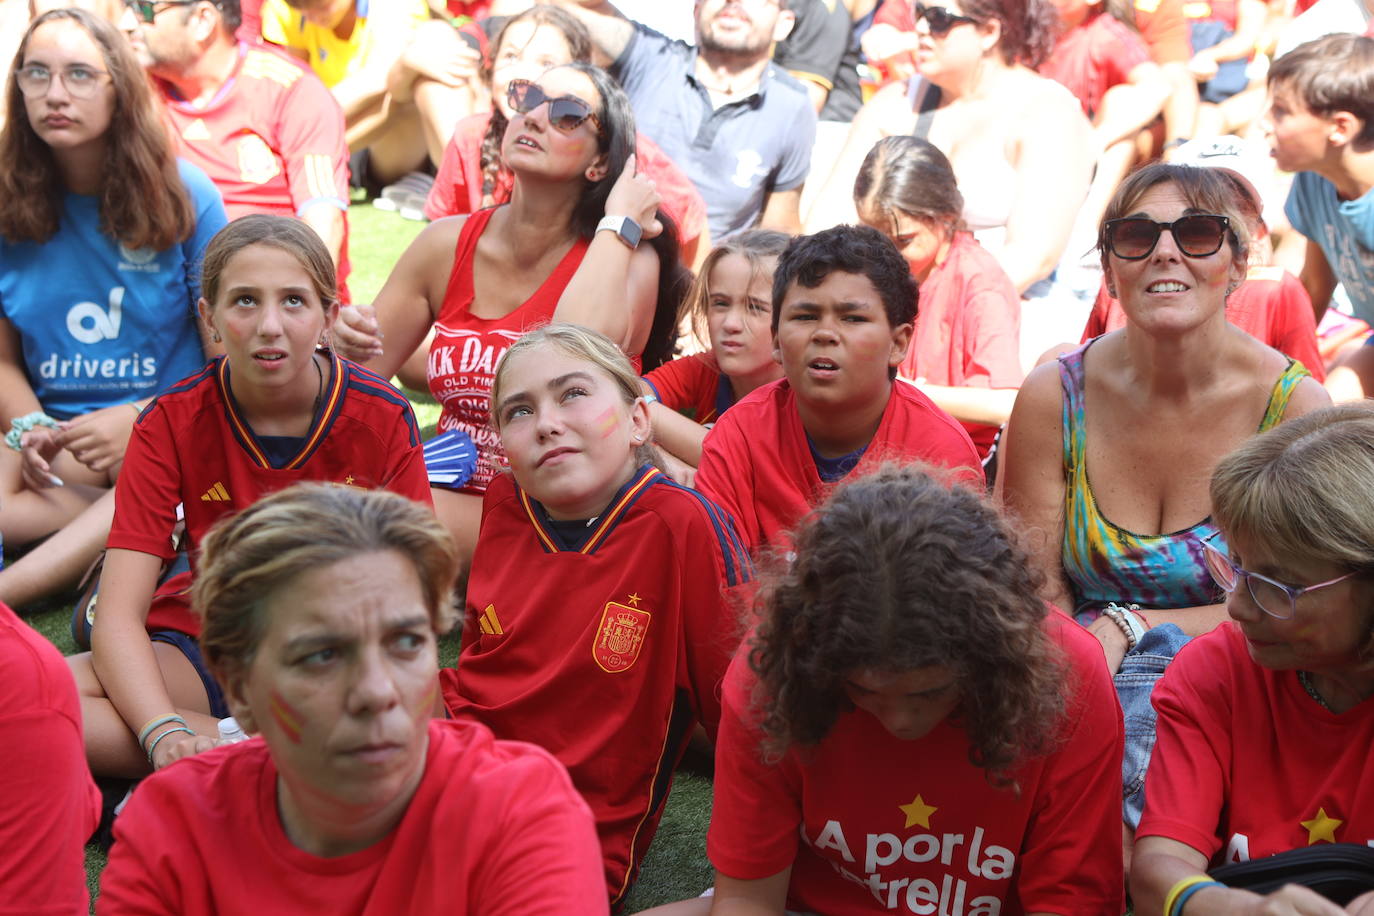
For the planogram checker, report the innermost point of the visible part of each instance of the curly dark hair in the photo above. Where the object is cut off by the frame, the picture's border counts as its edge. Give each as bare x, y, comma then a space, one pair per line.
862, 250
1029, 27
896, 571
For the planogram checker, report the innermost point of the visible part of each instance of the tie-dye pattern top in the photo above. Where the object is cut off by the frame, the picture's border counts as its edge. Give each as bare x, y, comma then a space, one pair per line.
1104, 562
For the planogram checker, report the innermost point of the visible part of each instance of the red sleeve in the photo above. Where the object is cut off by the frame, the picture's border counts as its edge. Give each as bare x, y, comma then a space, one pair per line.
407, 474
687, 385
148, 489
896, 13
715, 577
1070, 861
756, 807
1126, 51
48, 804
994, 358
549, 858
456, 188
313, 146
724, 462
1184, 789
1293, 327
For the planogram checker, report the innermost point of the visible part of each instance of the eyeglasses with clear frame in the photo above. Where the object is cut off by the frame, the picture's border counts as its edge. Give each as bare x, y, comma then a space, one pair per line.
1271, 596
81, 81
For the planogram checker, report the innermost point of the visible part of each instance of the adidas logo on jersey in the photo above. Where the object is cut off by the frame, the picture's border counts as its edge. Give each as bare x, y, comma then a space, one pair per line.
488, 623
216, 494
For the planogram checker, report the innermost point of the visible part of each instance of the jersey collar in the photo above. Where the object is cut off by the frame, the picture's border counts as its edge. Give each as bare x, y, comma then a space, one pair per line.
550, 539
330, 404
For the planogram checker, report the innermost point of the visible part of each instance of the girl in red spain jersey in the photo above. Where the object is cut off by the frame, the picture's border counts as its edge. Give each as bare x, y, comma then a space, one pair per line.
731, 301
598, 625
273, 411
565, 247
911, 729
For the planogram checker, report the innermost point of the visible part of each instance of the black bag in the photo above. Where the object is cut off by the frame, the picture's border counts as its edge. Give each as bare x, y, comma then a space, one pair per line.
1340, 872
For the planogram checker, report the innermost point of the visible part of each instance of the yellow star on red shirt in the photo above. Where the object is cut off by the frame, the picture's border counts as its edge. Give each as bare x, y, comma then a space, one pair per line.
1321, 827
634, 600
918, 812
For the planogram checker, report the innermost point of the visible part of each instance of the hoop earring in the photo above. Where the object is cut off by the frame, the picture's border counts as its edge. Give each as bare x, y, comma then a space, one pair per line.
214, 336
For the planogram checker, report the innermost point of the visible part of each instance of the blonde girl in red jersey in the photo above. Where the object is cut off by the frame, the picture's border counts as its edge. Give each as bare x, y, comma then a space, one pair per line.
599, 625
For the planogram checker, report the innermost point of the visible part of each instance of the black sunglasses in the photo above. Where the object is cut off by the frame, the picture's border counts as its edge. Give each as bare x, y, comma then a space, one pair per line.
939, 19
1197, 235
565, 112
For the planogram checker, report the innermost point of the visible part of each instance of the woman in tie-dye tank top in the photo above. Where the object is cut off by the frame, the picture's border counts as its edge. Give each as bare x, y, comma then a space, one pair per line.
1109, 451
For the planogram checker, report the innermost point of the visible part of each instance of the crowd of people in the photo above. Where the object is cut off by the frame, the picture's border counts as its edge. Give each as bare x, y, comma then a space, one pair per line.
923, 410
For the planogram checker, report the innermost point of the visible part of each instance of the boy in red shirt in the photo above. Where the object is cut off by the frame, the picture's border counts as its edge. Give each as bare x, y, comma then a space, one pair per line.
844, 305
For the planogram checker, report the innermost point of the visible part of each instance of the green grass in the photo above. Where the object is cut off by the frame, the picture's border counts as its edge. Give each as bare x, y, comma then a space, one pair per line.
676, 866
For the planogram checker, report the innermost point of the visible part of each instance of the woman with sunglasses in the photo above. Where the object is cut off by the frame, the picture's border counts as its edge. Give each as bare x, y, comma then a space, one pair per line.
101, 231
1265, 723
566, 247
1108, 450
472, 174
1019, 142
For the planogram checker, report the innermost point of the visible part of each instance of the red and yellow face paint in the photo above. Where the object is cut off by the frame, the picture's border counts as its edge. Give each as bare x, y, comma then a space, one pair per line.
288, 719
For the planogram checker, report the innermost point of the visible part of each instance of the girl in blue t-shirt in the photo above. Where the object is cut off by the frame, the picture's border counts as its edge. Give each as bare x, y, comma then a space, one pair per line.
101, 231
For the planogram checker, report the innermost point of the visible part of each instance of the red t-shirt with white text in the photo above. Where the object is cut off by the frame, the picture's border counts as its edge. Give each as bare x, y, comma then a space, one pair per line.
888, 825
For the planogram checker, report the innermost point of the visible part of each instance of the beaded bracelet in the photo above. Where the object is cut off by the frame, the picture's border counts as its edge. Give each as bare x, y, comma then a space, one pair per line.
147, 730
21, 425
170, 731
1117, 615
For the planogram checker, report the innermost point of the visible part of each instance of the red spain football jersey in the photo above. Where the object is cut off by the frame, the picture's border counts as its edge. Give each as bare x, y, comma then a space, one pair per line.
271, 139
191, 446
605, 654
756, 463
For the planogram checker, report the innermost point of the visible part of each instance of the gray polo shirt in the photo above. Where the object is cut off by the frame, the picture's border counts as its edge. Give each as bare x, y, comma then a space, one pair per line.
735, 154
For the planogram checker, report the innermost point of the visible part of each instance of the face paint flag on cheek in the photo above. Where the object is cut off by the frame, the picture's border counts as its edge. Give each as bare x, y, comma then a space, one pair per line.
287, 718
606, 422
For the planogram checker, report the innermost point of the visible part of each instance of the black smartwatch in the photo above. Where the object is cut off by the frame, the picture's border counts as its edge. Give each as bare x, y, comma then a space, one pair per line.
627, 229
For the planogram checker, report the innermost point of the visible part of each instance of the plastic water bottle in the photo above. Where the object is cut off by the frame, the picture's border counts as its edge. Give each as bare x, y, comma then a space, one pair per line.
230, 732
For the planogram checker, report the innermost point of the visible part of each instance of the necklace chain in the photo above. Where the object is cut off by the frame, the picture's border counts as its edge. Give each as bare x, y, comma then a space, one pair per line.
1305, 679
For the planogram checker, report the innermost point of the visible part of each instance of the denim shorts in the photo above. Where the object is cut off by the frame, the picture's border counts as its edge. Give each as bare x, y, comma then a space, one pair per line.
1140, 670
191, 649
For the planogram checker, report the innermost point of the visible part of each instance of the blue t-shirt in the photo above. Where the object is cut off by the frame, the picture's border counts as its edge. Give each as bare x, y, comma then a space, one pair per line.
1345, 231
734, 154
99, 324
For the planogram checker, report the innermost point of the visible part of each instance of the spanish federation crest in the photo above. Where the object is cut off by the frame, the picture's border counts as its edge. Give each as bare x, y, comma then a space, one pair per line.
620, 637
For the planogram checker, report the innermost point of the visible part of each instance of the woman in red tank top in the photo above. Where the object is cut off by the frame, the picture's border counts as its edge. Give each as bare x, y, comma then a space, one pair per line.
566, 247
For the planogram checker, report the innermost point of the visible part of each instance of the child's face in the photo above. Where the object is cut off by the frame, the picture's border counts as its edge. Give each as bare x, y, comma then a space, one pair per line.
527, 50
568, 434
270, 318
738, 313
1298, 138
835, 343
